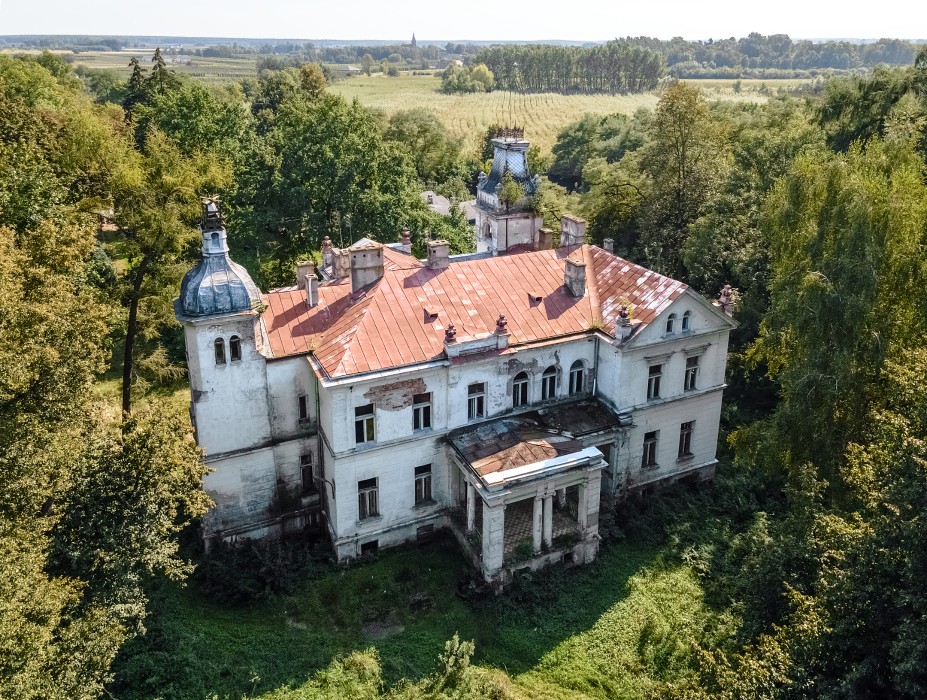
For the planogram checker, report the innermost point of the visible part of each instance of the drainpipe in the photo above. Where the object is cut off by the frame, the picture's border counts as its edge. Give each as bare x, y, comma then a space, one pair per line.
595, 367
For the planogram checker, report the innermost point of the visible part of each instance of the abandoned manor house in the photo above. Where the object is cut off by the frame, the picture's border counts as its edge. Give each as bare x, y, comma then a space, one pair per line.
504, 394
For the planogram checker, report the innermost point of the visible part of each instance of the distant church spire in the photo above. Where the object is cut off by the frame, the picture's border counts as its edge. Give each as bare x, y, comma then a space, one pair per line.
414, 43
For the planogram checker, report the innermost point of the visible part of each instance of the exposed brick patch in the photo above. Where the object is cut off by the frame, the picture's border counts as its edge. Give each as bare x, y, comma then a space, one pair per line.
395, 397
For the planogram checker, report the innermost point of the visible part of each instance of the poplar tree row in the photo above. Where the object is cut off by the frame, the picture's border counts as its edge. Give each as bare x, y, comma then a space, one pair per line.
615, 67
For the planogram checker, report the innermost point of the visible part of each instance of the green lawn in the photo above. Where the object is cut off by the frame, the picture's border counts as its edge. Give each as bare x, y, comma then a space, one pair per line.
613, 629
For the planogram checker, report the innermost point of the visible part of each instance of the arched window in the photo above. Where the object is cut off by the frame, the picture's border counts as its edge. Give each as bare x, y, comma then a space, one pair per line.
214, 240
235, 348
549, 384
577, 377
220, 351
671, 324
520, 390
687, 321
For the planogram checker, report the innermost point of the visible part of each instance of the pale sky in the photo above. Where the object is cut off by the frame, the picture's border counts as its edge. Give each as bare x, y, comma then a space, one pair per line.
586, 20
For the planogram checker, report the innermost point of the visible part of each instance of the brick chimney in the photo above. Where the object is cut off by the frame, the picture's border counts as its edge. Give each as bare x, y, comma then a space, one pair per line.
572, 230
623, 328
545, 239
341, 263
366, 263
574, 277
609, 245
439, 255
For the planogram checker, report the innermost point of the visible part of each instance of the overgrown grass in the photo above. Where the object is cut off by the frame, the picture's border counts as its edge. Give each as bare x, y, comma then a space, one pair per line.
616, 628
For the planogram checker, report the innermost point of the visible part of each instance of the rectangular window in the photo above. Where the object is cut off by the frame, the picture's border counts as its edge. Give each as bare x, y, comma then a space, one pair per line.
549, 385
309, 474
363, 424
421, 411
476, 398
423, 484
303, 408
576, 380
691, 380
653, 381
685, 439
520, 392
649, 458
368, 499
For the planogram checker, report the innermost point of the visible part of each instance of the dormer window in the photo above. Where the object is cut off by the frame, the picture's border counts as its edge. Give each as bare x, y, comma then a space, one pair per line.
671, 324
687, 321
235, 348
219, 347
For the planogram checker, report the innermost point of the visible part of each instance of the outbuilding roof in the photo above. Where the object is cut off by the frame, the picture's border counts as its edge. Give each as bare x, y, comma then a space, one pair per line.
401, 318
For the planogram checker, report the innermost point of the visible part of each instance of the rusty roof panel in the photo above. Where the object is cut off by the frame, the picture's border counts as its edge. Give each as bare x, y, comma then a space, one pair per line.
383, 326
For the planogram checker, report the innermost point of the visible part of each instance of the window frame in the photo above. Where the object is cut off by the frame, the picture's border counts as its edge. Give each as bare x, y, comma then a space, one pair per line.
421, 412
577, 377
365, 426
520, 390
671, 324
423, 482
368, 498
549, 384
687, 322
690, 378
234, 349
302, 408
686, 430
307, 466
476, 401
653, 380
649, 455
218, 348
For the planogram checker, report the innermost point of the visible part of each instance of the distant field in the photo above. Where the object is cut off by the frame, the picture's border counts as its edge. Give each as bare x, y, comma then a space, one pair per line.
543, 115
466, 116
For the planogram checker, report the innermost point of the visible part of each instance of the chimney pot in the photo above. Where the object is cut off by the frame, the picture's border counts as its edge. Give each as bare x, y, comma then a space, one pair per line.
545, 239
609, 245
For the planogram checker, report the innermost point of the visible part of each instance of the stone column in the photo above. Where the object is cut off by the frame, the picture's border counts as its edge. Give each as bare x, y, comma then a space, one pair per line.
471, 507
582, 508
538, 523
561, 498
493, 539
593, 488
548, 520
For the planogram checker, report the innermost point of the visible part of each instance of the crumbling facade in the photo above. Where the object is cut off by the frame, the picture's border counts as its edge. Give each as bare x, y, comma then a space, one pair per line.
505, 396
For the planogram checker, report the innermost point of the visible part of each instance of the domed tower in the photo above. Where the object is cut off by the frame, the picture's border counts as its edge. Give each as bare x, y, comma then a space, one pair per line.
220, 309
505, 215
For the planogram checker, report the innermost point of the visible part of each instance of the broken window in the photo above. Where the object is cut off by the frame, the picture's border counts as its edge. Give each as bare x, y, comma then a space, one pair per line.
649, 458
476, 401
691, 378
303, 402
653, 381
421, 411
686, 321
520, 390
364, 424
685, 439
577, 377
423, 484
368, 498
309, 474
235, 348
549, 384
220, 351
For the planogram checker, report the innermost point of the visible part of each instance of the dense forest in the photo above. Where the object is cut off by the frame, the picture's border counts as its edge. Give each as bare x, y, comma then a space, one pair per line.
808, 552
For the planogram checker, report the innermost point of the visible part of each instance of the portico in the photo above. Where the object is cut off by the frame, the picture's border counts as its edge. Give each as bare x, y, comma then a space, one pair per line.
531, 495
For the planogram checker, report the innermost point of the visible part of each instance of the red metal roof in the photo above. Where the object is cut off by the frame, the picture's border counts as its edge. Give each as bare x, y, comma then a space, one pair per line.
387, 324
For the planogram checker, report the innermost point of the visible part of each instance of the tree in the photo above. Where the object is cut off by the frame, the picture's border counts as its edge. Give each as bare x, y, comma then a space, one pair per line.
162, 78
433, 151
684, 160
312, 80
156, 200
136, 90
367, 64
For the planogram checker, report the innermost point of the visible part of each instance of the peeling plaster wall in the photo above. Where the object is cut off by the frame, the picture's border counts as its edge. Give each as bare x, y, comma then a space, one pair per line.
229, 400
286, 380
